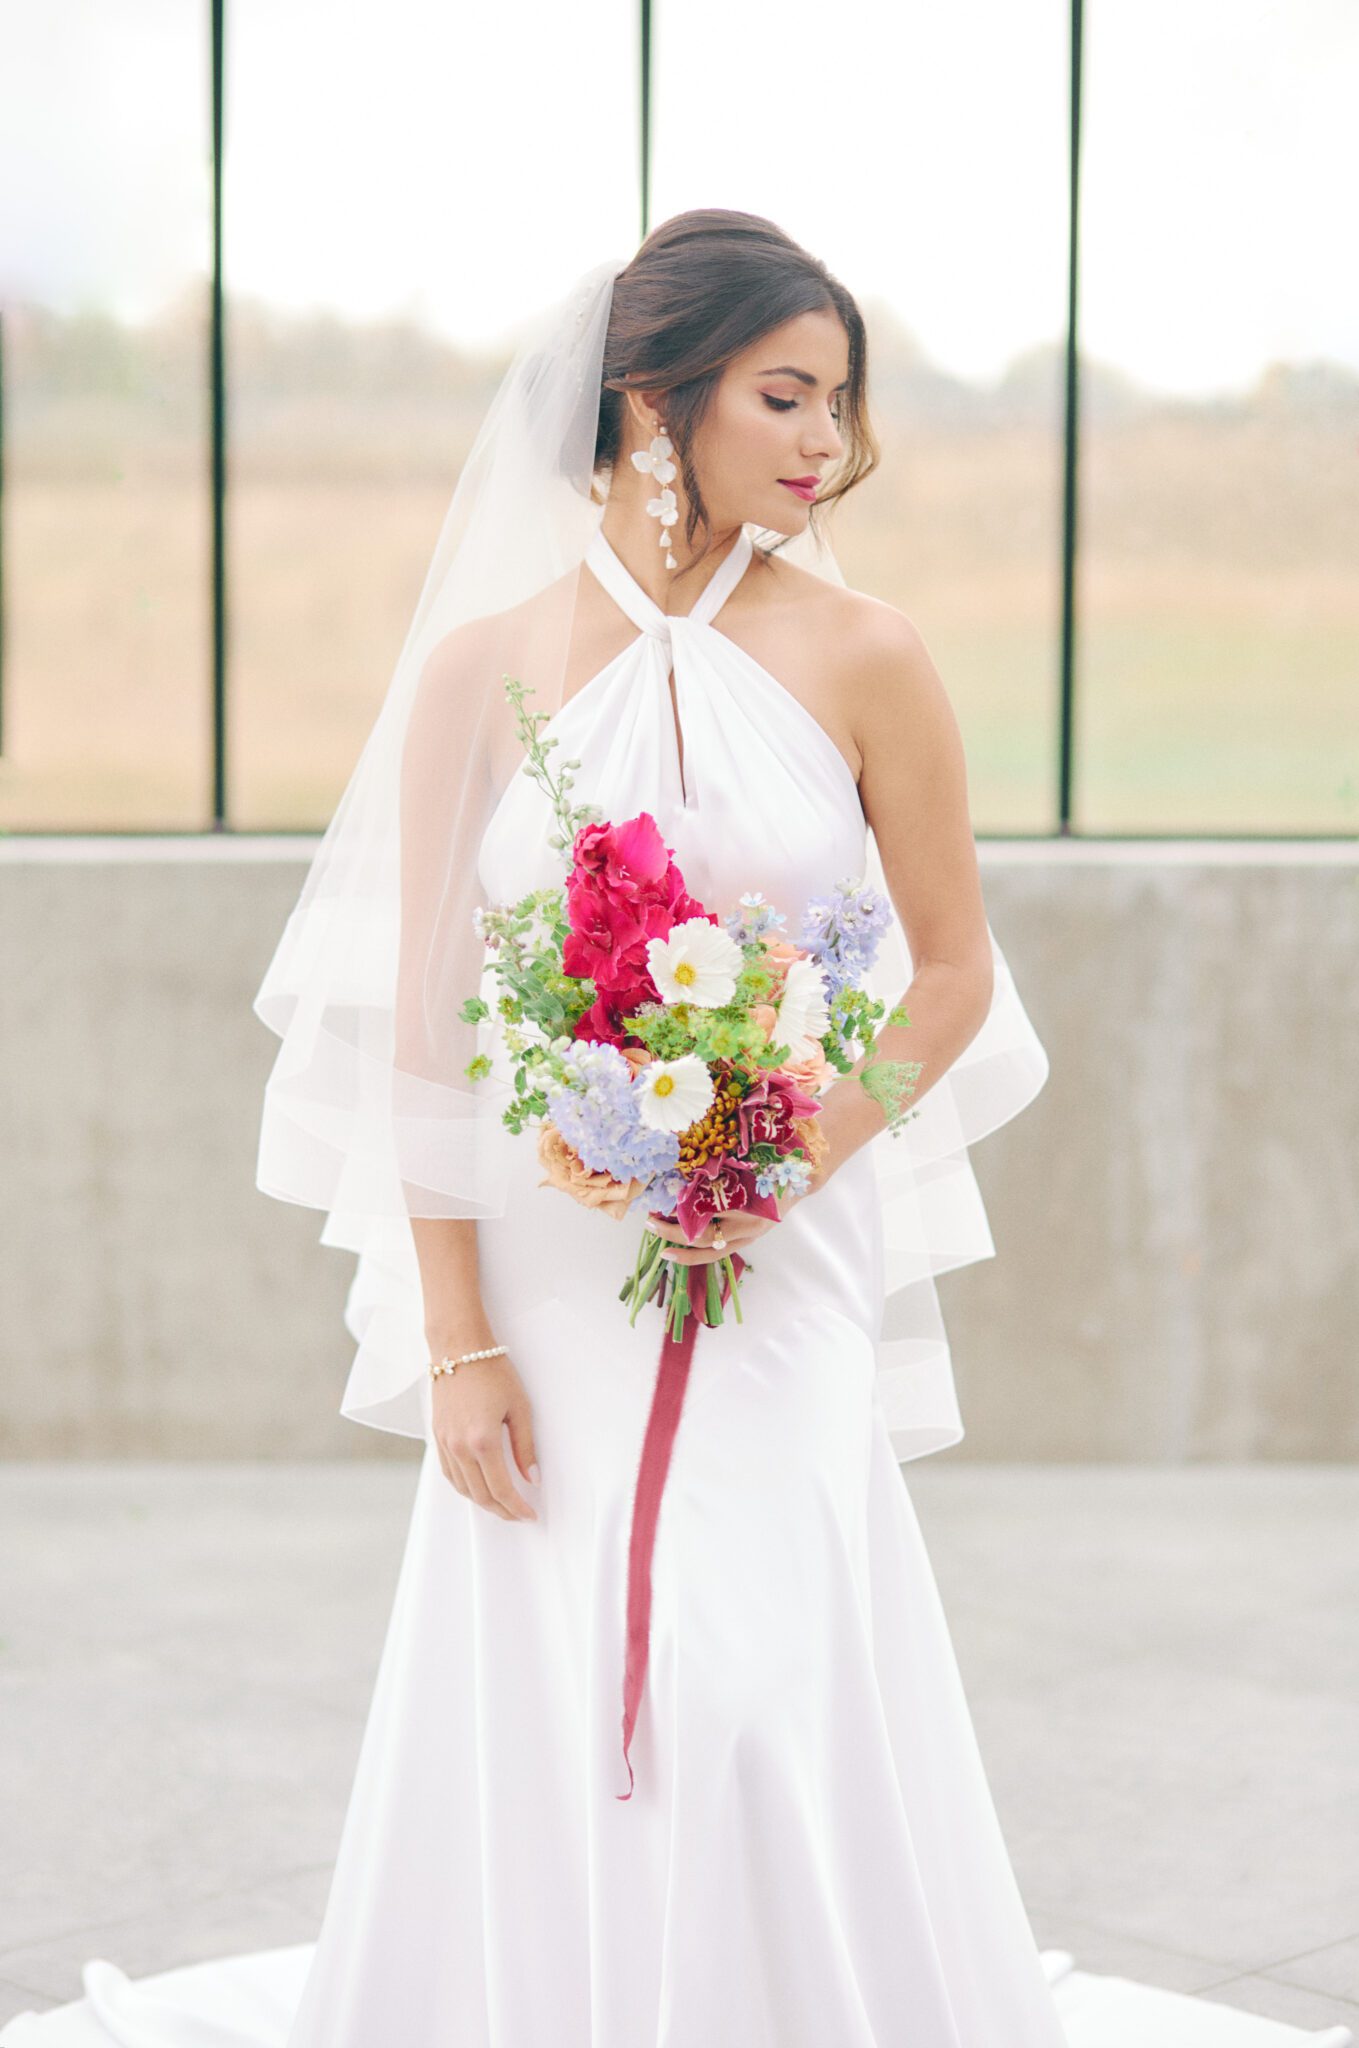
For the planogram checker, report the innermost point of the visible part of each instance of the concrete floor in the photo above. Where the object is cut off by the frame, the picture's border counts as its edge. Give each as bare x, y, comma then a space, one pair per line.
1163, 1666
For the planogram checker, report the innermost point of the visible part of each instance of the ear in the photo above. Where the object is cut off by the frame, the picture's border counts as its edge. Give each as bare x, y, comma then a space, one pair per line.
646, 407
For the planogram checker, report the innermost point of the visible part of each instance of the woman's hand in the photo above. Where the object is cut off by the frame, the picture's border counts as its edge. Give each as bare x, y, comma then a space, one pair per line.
470, 1407
738, 1227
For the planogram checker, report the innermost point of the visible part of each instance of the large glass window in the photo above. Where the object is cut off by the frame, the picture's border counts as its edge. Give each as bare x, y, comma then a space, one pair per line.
392, 216
1218, 605
401, 189
875, 137
105, 173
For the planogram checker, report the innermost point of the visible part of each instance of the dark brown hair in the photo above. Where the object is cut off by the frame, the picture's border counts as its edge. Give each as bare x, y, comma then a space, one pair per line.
702, 287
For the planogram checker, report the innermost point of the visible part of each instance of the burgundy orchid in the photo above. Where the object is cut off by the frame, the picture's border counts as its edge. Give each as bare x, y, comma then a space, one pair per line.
715, 1189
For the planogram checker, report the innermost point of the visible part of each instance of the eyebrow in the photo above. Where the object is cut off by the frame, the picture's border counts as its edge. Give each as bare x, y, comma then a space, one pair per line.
787, 370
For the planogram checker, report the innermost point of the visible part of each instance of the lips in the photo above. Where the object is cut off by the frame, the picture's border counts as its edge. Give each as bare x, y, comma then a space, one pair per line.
803, 487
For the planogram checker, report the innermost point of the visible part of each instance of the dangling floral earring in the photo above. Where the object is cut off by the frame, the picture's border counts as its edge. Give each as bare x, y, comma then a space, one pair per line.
665, 507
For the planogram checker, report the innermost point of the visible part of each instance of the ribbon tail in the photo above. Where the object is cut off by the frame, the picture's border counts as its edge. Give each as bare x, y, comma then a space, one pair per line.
667, 1402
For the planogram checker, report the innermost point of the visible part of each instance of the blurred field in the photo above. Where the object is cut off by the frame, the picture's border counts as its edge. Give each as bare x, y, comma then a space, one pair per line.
1218, 636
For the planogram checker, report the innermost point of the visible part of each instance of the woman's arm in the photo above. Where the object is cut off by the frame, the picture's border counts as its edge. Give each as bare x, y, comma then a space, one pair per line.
442, 778
439, 961
913, 787
455, 1317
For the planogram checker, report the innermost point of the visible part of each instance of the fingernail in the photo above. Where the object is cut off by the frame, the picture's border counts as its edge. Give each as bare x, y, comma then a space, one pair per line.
533, 1474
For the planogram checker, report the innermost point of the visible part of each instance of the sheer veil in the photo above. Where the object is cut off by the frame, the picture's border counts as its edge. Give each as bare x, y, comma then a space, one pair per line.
368, 1113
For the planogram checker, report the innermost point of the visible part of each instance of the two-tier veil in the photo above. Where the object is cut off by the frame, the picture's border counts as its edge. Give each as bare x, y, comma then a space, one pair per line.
368, 1112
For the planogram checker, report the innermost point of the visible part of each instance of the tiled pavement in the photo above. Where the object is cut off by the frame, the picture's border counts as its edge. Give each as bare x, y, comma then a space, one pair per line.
1163, 1666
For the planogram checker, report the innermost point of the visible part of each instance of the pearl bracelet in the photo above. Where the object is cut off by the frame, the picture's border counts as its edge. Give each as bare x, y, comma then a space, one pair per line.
451, 1364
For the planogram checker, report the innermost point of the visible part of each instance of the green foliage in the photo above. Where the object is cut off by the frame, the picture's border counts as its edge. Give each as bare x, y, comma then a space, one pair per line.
569, 818
669, 1032
891, 1083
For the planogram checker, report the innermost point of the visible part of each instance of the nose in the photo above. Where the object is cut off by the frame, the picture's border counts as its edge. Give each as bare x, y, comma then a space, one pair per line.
826, 441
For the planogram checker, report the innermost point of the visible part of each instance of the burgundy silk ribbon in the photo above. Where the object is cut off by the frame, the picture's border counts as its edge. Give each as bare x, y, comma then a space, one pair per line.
672, 1377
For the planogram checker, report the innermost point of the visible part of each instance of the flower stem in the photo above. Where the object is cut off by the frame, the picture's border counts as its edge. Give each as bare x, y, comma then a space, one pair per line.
681, 1302
713, 1306
647, 1272
735, 1290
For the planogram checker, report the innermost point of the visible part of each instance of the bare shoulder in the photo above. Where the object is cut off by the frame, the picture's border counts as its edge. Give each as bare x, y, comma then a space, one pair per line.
474, 656
868, 629
888, 694
461, 651
478, 640
886, 667
878, 667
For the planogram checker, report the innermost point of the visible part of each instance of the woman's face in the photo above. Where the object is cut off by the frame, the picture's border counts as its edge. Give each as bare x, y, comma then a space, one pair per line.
774, 415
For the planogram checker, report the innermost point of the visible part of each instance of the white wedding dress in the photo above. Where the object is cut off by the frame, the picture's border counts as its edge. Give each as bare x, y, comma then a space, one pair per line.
810, 1857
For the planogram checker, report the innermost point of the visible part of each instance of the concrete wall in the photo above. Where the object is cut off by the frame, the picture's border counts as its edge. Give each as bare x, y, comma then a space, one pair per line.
1176, 1217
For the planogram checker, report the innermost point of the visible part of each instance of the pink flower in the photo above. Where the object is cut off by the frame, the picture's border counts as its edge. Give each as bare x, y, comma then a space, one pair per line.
624, 890
604, 1018
631, 867
767, 1114
716, 1188
600, 1024
604, 932
632, 854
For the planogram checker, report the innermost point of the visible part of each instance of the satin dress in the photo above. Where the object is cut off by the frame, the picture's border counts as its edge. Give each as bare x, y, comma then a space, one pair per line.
810, 1856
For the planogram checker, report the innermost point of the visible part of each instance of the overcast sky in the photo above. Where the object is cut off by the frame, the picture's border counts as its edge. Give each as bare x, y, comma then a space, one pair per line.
463, 163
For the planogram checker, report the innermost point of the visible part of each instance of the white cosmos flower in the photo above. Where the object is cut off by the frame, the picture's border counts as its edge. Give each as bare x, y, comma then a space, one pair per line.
672, 1094
698, 963
803, 1013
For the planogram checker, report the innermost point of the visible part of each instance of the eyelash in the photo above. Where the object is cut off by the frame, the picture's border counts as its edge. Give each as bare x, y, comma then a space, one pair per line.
782, 405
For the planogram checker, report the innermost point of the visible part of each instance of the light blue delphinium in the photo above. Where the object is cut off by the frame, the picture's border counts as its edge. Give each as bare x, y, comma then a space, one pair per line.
596, 1111
756, 918
791, 1174
842, 932
662, 1194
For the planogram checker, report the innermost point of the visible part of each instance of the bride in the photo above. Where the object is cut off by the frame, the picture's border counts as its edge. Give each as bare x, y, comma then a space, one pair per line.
785, 1835
714, 1785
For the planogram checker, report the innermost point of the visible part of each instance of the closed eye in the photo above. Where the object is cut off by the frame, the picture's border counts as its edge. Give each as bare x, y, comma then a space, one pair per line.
783, 404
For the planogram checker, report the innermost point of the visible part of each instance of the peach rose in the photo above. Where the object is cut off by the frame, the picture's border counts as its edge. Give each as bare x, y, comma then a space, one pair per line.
814, 1073
766, 1016
637, 1057
567, 1170
780, 955
813, 1141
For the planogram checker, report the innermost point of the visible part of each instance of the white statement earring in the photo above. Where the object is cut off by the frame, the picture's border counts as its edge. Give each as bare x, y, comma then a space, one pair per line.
665, 507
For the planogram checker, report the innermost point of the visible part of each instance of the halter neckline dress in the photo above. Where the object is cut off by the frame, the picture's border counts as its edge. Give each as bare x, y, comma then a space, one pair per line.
810, 1853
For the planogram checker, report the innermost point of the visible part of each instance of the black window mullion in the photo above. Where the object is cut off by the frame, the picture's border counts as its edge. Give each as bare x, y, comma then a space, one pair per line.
217, 381
1070, 423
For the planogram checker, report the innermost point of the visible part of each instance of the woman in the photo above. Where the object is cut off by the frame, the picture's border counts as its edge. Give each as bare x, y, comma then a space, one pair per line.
802, 1848
798, 1848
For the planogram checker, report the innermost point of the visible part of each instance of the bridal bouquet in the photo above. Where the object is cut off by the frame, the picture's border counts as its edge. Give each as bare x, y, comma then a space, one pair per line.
673, 1060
